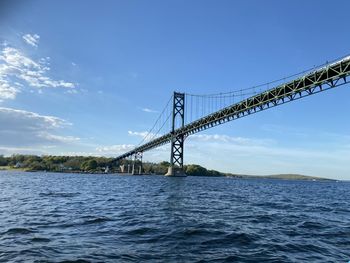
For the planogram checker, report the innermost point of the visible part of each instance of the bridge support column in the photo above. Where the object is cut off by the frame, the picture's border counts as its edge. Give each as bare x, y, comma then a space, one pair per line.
177, 141
137, 164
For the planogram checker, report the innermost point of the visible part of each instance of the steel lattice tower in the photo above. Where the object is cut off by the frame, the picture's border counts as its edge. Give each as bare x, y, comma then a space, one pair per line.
177, 141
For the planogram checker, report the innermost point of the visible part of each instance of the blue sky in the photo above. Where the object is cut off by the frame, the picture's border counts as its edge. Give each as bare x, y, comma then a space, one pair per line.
77, 76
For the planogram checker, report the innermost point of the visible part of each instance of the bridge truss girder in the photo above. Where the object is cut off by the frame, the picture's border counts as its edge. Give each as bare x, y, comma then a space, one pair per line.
314, 82
264, 102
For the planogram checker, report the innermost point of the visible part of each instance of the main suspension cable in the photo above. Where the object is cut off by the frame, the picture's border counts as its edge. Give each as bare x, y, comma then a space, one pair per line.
149, 133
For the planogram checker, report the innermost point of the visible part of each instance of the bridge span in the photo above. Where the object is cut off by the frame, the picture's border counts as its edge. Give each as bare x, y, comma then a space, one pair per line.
310, 82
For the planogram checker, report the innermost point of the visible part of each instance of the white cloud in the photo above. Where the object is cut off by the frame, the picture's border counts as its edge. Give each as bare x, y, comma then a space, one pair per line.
159, 154
140, 134
32, 40
21, 150
21, 128
149, 110
115, 149
72, 91
18, 71
229, 139
7, 91
146, 136
58, 138
77, 153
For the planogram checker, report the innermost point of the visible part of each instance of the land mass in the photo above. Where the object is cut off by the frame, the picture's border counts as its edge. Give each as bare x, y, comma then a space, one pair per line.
288, 177
90, 164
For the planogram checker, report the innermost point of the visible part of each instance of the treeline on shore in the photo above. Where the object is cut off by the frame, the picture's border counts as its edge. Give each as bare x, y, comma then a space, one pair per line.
90, 164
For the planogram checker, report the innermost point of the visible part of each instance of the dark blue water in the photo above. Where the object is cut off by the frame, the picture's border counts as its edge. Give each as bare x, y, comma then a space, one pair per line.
110, 218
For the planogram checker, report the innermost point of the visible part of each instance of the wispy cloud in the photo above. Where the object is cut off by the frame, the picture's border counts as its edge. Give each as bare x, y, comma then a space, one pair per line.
279, 129
146, 136
149, 110
58, 138
72, 91
6, 90
22, 150
222, 138
156, 155
140, 134
115, 149
32, 40
18, 71
21, 128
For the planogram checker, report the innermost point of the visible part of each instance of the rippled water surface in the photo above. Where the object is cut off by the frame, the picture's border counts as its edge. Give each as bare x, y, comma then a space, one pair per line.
111, 218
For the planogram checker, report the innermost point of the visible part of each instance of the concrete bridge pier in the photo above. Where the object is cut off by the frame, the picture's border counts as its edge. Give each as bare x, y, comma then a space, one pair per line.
175, 172
133, 169
137, 164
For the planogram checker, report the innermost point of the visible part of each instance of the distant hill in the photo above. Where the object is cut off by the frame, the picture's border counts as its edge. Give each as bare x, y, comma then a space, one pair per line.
296, 177
284, 177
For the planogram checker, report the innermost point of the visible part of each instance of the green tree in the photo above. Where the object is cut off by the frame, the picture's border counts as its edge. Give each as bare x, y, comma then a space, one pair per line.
196, 170
74, 163
38, 166
89, 165
3, 160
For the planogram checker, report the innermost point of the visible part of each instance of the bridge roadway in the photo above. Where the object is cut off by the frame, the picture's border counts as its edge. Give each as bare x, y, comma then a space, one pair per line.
325, 78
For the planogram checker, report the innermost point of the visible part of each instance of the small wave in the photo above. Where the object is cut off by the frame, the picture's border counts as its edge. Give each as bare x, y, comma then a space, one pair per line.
83, 221
236, 238
298, 248
58, 194
200, 231
242, 238
75, 261
311, 225
97, 220
130, 257
19, 230
274, 205
41, 239
263, 219
140, 231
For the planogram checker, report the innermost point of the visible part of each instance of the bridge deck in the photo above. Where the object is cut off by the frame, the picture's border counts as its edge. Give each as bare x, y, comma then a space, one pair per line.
331, 76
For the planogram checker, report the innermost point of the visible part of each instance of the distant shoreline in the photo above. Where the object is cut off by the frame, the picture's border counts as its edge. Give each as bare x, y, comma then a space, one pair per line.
109, 165
289, 177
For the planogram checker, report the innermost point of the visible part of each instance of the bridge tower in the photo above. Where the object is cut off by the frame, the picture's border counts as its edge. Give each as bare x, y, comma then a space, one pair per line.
177, 141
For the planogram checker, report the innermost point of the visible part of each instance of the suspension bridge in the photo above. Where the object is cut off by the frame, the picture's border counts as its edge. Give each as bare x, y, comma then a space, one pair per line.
186, 114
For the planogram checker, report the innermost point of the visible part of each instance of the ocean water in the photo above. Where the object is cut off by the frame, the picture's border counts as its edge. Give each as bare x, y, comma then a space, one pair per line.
47, 217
